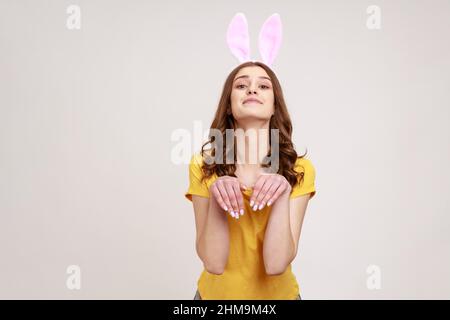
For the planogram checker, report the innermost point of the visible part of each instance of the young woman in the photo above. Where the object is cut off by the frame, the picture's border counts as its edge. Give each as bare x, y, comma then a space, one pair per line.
248, 219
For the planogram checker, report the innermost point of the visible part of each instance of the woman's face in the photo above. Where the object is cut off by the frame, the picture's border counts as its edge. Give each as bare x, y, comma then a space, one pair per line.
252, 95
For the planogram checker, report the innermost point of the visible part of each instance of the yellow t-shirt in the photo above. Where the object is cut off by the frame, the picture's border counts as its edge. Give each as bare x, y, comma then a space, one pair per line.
244, 277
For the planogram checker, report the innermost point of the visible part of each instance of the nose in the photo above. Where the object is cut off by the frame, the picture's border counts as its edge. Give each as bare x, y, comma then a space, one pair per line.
250, 91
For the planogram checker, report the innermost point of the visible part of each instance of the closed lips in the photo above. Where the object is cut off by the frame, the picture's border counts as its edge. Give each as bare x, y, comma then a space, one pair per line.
252, 100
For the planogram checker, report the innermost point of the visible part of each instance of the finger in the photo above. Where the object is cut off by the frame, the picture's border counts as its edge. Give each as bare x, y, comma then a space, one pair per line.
256, 191
263, 193
239, 199
218, 197
226, 198
232, 197
277, 194
270, 193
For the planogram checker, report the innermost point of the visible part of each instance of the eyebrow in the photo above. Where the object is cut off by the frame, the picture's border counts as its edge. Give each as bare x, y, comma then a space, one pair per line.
246, 76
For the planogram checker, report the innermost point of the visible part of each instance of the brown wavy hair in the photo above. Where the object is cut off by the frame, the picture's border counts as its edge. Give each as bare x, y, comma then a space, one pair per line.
281, 120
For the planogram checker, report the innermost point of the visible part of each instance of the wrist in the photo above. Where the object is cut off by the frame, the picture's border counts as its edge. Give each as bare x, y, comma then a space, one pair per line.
288, 190
214, 206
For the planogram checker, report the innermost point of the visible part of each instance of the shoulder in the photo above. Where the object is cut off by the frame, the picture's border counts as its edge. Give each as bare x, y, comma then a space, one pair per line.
196, 172
304, 165
195, 165
197, 158
306, 185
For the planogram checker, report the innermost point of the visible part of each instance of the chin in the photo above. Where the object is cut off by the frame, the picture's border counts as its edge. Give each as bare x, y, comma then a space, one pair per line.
252, 116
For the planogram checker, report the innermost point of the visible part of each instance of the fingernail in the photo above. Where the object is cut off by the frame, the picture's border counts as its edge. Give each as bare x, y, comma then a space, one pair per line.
261, 206
255, 207
237, 215
225, 208
251, 203
232, 213
269, 203
242, 212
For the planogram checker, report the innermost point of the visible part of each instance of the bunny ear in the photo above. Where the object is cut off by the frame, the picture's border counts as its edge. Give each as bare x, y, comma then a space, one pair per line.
237, 37
270, 39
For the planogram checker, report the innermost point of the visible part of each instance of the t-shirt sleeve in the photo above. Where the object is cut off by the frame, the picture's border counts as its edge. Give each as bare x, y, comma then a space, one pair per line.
195, 174
308, 183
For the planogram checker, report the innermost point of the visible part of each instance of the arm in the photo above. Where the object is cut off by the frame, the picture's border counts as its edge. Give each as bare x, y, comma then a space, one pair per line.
212, 243
283, 232
279, 246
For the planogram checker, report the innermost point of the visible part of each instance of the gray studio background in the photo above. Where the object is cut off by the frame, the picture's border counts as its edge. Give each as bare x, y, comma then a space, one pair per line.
87, 116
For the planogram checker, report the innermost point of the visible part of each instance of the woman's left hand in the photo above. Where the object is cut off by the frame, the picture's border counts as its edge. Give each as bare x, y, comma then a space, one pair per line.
268, 188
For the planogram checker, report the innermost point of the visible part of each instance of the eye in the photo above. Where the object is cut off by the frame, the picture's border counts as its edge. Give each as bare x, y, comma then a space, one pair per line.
239, 85
265, 86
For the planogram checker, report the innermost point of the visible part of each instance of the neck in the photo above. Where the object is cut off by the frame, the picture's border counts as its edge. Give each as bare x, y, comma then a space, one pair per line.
252, 142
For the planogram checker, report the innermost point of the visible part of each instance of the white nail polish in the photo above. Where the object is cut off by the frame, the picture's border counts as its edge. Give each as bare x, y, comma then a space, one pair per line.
260, 206
242, 212
251, 203
255, 207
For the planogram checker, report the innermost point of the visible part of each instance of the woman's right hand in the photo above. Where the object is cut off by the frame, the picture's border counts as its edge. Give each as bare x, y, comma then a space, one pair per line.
226, 191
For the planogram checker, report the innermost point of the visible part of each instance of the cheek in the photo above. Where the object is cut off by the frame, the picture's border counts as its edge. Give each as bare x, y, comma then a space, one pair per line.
235, 98
269, 98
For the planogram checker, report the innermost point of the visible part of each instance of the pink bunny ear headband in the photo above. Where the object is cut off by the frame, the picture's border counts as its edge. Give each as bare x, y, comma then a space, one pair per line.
269, 38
